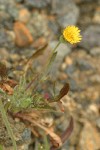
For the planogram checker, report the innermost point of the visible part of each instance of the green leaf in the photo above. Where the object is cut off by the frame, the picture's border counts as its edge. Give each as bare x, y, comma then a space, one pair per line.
1, 148
20, 99
39, 102
46, 143
39, 52
1, 91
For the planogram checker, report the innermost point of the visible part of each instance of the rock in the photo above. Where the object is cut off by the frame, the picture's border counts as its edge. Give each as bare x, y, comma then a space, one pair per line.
20, 146
91, 37
62, 76
13, 11
5, 3
63, 66
6, 39
14, 57
95, 51
60, 7
40, 42
83, 65
62, 50
8, 13
63, 124
98, 123
47, 120
4, 54
76, 133
69, 19
38, 25
24, 15
92, 94
37, 4
21, 134
93, 109
96, 18
99, 2
3, 37
73, 85
66, 146
88, 0
95, 79
5, 20
4, 138
89, 138
23, 35
69, 104
19, 1
53, 26
26, 135
70, 70
67, 12
68, 61
7, 23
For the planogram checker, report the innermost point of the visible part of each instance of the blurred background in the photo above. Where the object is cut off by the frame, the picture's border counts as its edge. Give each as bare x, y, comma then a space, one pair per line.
26, 25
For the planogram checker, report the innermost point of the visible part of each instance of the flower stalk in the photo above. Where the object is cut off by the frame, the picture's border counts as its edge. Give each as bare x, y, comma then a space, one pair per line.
4, 117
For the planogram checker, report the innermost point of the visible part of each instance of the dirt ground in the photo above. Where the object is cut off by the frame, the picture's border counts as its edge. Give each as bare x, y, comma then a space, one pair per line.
25, 25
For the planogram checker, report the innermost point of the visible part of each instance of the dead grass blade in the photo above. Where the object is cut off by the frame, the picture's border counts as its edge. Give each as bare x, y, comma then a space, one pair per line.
56, 139
39, 52
66, 134
68, 131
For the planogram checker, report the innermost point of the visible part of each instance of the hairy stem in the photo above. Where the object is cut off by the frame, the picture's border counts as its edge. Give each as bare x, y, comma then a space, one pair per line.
56, 47
4, 117
44, 70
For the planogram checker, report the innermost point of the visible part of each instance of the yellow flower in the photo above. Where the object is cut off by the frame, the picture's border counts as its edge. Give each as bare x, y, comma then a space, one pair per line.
72, 34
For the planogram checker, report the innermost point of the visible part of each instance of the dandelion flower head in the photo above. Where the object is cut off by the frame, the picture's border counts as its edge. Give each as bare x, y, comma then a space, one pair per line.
72, 34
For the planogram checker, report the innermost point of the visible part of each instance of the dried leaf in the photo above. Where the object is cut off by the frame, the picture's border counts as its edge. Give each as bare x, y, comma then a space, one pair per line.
8, 86
68, 131
33, 80
61, 106
7, 89
62, 93
39, 52
56, 139
66, 134
38, 43
11, 83
3, 71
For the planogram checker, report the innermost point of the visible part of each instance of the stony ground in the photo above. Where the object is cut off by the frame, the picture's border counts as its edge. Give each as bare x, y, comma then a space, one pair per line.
25, 25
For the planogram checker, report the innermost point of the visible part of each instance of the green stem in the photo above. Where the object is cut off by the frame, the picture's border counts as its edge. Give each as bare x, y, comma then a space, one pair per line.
46, 143
44, 70
49, 62
4, 116
52, 53
56, 47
